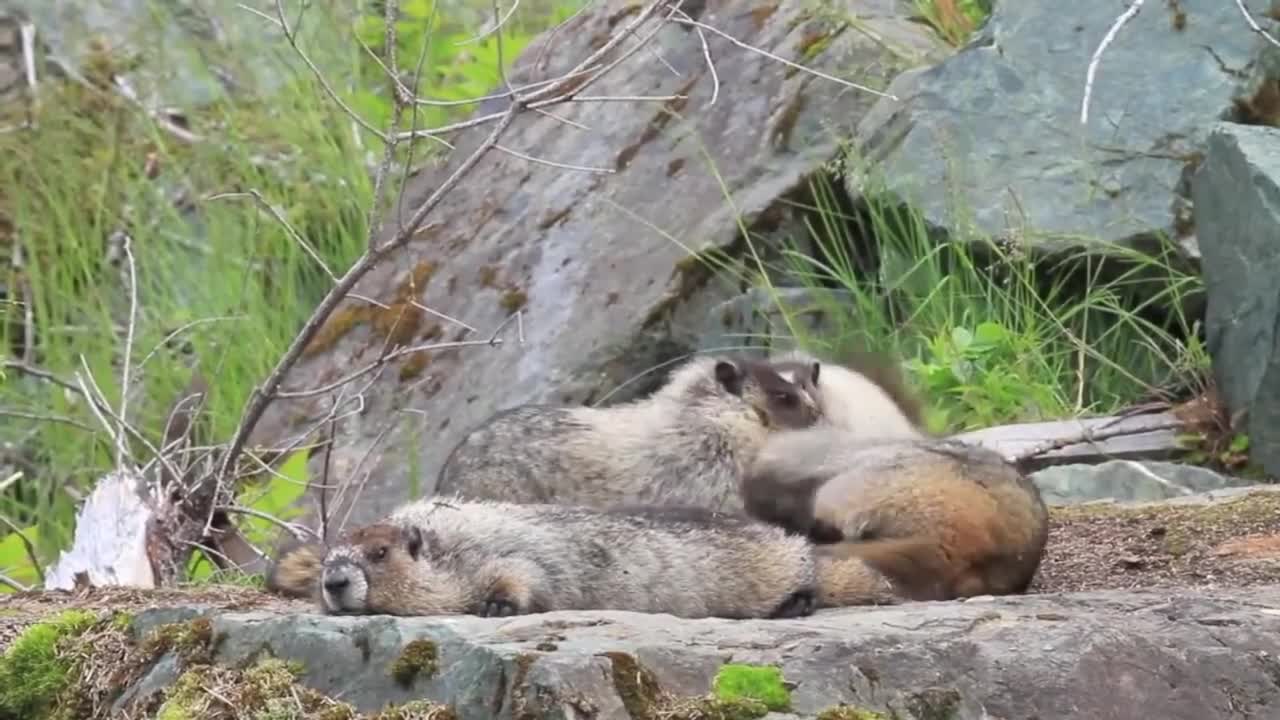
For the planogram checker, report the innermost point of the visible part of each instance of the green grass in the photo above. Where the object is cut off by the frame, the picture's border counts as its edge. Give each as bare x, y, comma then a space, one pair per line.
237, 286
988, 336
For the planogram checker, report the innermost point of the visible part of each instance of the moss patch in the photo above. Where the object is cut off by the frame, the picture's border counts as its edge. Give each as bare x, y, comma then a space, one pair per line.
645, 699
419, 657
267, 689
192, 641
35, 670
636, 685
935, 704
417, 710
712, 708
762, 684
849, 712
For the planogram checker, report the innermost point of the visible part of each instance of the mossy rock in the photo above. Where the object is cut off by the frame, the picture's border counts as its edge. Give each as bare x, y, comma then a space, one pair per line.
762, 684
35, 669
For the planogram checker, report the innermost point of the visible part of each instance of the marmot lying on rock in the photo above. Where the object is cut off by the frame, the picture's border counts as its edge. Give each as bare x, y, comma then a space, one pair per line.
437, 556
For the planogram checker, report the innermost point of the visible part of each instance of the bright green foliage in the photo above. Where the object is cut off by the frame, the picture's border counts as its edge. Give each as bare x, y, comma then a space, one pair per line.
31, 672
455, 66
751, 682
15, 561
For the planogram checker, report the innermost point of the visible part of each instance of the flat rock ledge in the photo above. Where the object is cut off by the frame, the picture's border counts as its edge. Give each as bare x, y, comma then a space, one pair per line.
1192, 654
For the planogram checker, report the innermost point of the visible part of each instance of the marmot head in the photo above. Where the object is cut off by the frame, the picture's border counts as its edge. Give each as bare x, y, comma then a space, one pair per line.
880, 369
383, 569
781, 397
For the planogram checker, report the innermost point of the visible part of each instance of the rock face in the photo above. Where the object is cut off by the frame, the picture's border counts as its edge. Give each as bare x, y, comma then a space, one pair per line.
1195, 655
991, 137
1237, 200
1128, 481
597, 261
231, 39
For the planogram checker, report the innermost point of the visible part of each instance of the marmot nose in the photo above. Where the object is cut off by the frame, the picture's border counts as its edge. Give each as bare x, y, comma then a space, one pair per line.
337, 584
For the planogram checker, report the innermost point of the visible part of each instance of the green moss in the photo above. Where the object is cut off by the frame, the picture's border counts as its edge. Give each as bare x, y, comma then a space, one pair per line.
935, 704
514, 299
713, 708
266, 690
418, 710
32, 672
849, 712
636, 685
762, 684
419, 657
191, 640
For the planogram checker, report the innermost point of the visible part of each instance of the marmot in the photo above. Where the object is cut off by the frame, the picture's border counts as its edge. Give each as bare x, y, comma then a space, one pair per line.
868, 395
686, 444
452, 556
940, 518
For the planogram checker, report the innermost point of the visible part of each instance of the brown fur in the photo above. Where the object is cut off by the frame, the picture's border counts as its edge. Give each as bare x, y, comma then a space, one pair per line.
939, 518
867, 394
687, 444
296, 570
434, 557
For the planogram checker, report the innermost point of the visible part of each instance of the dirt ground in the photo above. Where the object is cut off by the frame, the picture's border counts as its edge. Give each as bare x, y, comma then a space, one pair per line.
1226, 544
1230, 543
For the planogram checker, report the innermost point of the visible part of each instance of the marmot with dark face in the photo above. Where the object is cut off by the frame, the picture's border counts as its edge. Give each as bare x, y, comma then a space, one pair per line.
687, 444
867, 395
435, 557
940, 519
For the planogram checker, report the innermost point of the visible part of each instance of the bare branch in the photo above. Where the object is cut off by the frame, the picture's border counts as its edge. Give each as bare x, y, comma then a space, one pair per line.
130, 329
1134, 7
686, 20
1253, 24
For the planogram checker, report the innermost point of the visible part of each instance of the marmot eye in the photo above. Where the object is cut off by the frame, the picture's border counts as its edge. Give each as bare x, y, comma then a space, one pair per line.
380, 553
785, 398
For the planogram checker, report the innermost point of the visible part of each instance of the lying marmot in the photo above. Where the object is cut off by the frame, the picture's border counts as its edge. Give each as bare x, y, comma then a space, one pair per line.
868, 397
940, 518
687, 444
487, 558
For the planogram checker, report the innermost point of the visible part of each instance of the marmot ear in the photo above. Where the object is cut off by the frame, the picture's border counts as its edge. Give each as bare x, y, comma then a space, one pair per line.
413, 541
813, 376
730, 376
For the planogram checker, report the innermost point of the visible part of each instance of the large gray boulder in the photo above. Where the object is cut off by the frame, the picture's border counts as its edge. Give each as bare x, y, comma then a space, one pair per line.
1128, 481
1237, 201
1191, 655
990, 139
177, 53
598, 262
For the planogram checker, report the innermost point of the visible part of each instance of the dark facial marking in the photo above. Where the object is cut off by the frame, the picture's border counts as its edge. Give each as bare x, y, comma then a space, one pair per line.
413, 541
786, 407
730, 376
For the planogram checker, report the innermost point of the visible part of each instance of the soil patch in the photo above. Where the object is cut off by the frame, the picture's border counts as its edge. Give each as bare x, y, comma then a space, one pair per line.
1226, 543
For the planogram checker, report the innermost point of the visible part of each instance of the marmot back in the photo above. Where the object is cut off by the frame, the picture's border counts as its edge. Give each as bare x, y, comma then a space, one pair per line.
941, 518
687, 444
869, 396
486, 558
